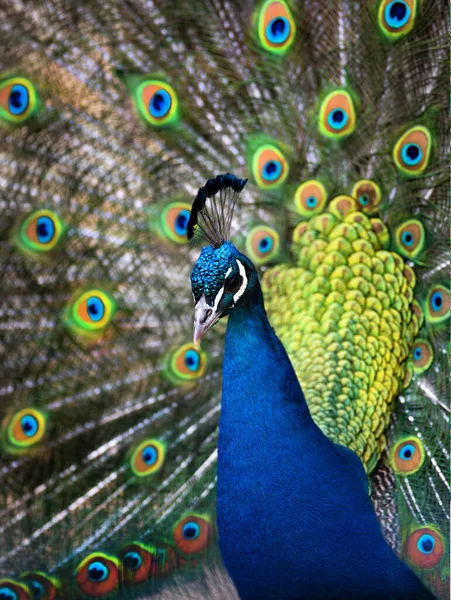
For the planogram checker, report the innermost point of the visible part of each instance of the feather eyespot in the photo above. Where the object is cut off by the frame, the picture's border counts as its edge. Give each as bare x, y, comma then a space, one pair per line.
262, 244
174, 222
157, 103
43, 586
187, 363
367, 194
193, 534
40, 232
25, 429
275, 27
310, 198
14, 590
98, 574
269, 167
148, 457
397, 17
137, 560
337, 115
425, 547
407, 456
422, 355
438, 301
18, 100
412, 151
410, 238
90, 313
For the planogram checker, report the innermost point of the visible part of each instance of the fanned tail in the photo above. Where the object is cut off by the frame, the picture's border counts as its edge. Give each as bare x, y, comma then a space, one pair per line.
112, 116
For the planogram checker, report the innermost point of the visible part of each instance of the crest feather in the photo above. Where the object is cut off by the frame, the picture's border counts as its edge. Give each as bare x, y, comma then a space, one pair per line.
213, 222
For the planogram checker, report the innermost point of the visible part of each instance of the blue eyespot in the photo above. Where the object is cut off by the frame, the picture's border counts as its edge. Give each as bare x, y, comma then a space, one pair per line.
272, 170
278, 30
426, 544
45, 230
149, 455
29, 426
265, 244
7, 594
160, 104
437, 301
18, 100
417, 353
407, 238
311, 201
364, 200
397, 14
97, 571
191, 530
96, 308
37, 589
132, 560
407, 451
411, 154
181, 222
337, 119
192, 360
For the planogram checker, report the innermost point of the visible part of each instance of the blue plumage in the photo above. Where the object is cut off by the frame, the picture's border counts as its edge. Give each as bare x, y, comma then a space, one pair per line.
293, 511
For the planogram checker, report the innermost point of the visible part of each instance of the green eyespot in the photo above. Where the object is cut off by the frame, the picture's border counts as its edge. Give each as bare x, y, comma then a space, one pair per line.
412, 151
148, 457
407, 456
40, 232
98, 574
396, 18
410, 238
157, 103
24, 430
18, 100
310, 198
186, 364
174, 220
269, 167
262, 244
90, 313
437, 304
422, 355
276, 29
367, 194
193, 534
337, 115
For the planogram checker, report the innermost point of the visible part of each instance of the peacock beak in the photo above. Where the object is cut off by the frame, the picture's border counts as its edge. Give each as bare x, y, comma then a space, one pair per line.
205, 316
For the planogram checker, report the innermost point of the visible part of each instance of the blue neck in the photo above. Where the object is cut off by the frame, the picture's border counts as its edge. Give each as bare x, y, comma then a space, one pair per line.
293, 512
263, 413
257, 373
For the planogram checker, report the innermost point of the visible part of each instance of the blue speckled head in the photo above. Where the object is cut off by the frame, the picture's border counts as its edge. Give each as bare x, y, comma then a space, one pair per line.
219, 280
209, 272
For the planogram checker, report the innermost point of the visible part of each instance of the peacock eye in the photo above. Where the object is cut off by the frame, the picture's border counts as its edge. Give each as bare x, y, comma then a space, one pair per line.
233, 285
337, 115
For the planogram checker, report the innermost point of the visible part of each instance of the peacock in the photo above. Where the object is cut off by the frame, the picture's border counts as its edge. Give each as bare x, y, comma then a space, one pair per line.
112, 116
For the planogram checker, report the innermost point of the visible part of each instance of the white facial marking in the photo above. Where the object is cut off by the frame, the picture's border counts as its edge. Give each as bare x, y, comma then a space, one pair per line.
228, 272
218, 299
243, 286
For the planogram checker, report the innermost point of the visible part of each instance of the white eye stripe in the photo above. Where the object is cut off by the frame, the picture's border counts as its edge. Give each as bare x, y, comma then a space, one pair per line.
218, 299
243, 286
230, 269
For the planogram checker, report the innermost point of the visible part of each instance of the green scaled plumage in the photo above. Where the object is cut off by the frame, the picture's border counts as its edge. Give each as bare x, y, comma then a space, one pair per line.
338, 116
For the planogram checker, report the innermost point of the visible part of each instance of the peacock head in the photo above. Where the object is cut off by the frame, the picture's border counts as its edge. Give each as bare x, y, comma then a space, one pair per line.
222, 277
221, 280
